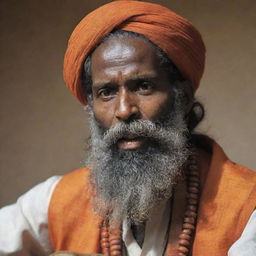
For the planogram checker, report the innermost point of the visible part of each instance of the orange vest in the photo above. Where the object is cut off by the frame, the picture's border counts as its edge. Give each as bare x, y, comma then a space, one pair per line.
227, 201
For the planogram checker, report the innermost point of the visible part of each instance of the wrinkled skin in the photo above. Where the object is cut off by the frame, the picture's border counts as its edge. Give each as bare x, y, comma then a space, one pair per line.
128, 84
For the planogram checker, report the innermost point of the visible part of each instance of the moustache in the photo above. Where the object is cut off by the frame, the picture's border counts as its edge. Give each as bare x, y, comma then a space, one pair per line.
157, 132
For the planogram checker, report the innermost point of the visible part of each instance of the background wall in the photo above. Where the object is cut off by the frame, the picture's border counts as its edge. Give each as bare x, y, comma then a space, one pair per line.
43, 128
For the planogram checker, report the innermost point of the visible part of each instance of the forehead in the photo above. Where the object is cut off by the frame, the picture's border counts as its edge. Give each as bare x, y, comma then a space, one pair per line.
125, 55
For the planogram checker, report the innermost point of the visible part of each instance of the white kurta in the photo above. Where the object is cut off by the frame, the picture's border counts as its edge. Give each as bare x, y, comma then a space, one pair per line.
24, 228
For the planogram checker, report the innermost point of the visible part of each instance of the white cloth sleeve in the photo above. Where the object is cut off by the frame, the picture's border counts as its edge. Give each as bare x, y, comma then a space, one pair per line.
23, 225
246, 244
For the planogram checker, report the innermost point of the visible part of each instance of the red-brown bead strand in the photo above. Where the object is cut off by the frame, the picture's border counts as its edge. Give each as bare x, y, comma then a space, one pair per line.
104, 241
189, 222
111, 242
115, 241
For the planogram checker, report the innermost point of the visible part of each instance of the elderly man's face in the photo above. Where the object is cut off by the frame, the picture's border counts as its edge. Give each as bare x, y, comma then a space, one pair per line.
128, 84
138, 129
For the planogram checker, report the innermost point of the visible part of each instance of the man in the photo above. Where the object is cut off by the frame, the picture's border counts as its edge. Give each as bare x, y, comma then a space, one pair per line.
152, 186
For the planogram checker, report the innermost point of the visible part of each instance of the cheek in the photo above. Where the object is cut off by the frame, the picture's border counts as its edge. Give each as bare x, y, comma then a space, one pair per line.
103, 113
155, 107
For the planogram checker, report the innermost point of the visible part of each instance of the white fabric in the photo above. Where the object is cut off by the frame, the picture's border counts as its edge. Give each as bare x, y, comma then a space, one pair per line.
155, 233
24, 228
246, 244
23, 225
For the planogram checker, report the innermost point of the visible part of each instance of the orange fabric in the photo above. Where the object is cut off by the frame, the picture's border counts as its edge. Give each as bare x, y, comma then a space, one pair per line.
172, 33
227, 201
72, 224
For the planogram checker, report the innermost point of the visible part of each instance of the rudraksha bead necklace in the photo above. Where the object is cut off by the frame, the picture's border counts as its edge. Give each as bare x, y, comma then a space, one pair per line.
111, 238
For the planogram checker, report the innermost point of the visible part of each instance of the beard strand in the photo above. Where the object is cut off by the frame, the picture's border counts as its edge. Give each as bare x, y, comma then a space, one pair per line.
129, 183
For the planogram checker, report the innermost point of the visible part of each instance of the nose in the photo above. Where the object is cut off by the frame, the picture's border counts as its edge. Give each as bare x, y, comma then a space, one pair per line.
126, 107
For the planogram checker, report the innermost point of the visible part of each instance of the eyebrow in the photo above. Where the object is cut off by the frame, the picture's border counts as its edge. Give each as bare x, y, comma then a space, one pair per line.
146, 77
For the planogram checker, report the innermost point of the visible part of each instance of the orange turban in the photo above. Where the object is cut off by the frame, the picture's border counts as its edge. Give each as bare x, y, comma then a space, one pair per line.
173, 34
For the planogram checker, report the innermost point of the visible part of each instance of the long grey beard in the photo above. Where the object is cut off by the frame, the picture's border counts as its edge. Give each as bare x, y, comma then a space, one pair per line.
129, 183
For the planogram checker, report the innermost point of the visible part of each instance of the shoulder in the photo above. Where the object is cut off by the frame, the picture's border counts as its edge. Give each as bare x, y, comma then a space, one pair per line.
81, 174
236, 177
221, 166
72, 183
72, 190
70, 207
36, 200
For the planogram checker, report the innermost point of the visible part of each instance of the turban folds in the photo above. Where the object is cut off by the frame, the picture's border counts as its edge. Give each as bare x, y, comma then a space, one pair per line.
176, 36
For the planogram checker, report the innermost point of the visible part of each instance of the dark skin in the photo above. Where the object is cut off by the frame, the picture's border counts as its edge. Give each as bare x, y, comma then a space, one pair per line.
129, 84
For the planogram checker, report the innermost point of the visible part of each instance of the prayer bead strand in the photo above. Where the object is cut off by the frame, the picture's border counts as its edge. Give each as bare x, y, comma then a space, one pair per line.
111, 241
104, 242
190, 216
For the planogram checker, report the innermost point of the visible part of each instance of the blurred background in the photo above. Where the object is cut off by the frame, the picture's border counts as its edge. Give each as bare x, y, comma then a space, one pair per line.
44, 129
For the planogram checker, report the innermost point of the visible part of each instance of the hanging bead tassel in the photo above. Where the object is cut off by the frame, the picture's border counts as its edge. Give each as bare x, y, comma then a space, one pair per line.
111, 241
104, 241
115, 241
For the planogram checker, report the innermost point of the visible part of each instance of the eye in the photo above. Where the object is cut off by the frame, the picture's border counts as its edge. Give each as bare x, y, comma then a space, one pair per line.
145, 87
105, 93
